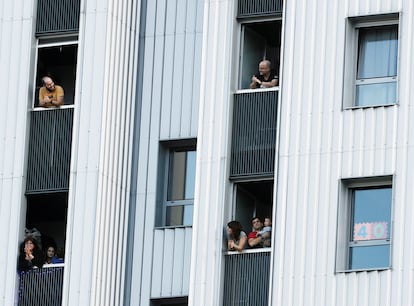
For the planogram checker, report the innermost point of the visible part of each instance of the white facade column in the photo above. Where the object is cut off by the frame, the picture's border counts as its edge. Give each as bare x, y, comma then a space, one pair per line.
16, 56
101, 153
212, 153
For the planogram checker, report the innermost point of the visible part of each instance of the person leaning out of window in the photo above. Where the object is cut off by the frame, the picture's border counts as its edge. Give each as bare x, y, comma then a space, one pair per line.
31, 256
50, 94
266, 78
236, 238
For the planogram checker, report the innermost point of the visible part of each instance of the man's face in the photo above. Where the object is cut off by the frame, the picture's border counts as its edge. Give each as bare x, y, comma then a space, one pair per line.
49, 84
257, 225
264, 68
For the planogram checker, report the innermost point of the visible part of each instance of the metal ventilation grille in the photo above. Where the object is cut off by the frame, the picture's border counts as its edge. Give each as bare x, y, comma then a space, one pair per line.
250, 8
41, 287
49, 151
57, 16
253, 134
246, 279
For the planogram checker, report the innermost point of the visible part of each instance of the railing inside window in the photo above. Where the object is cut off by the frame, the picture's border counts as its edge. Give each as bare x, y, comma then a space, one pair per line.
250, 8
41, 286
246, 277
254, 133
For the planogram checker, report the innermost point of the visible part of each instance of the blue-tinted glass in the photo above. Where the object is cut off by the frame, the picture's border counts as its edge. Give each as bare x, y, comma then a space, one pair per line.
369, 257
181, 176
179, 215
190, 175
378, 52
376, 94
372, 205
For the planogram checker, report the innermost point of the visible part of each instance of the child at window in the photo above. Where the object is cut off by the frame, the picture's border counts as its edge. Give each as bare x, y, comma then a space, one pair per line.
266, 232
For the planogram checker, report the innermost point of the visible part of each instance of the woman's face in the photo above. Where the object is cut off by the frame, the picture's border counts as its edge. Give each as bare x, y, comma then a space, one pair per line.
29, 245
229, 231
50, 252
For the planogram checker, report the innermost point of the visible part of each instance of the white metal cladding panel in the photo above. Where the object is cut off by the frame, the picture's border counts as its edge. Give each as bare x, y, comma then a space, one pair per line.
99, 194
172, 248
319, 144
176, 65
15, 83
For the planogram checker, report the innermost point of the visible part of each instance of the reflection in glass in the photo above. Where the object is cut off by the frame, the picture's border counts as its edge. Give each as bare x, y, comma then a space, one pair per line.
179, 215
377, 66
376, 94
372, 205
378, 48
369, 257
182, 176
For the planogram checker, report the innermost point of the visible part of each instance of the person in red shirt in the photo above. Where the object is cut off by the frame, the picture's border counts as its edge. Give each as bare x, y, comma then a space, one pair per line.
253, 239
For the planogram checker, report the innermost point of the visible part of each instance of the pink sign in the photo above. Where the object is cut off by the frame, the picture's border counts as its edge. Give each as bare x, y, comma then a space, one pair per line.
370, 231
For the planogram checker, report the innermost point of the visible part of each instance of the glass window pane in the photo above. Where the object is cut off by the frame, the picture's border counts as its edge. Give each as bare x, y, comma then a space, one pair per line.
377, 54
370, 257
371, 213
179, 215
190, 175
376, 94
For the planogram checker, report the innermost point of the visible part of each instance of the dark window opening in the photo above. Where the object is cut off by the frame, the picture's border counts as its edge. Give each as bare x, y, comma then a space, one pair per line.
59, 62
180, 301
253, 199
48, 214
260, 41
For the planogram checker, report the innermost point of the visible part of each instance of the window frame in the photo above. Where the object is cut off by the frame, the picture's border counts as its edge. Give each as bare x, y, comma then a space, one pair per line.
53, 41
345, 215
350, 81
242, 24
166, 150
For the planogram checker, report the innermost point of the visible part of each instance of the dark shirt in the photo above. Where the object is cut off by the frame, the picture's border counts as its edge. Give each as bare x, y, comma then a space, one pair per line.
272, 76
25, 265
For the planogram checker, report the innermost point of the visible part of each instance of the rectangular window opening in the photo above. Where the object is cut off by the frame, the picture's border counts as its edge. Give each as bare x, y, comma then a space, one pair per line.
365, 224
56, 62
260, 41
371, 61
176, 184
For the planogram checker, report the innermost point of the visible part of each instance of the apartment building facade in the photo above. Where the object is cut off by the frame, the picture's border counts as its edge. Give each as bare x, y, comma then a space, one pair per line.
161, 142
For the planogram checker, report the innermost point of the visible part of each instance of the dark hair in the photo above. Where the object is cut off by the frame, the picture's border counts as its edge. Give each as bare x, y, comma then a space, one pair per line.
236, 229
254, 218
33, 240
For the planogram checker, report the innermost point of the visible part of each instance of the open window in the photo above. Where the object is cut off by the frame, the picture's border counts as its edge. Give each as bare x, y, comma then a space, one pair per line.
57, 58
259, 41
47, 213
253, 199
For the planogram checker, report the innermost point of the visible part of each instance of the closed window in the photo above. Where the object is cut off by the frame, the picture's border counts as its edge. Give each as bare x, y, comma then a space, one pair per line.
371, 65
365, 224
376, 81
178, 184
369, 245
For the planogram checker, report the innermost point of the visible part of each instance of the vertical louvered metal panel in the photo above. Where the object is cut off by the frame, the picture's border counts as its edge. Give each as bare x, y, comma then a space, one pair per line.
57, 16
41, 287
49, 150
250, 8
253, 134
246, 279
